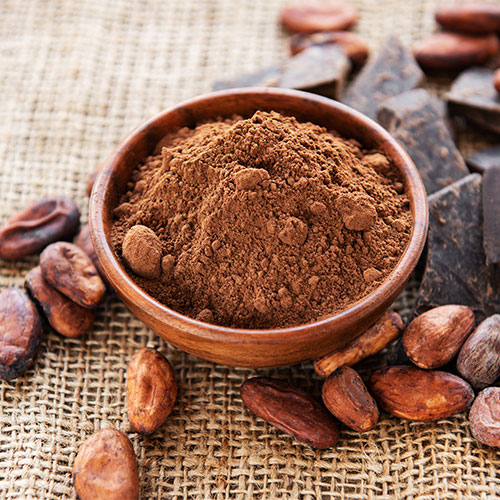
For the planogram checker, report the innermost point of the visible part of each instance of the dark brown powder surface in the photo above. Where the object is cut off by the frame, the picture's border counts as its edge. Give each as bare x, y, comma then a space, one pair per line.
263, 222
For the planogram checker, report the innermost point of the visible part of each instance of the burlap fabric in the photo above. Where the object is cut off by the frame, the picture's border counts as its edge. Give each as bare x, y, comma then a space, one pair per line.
75, 77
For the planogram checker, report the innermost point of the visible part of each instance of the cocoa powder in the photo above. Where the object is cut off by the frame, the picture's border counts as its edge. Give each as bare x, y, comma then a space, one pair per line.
263, 222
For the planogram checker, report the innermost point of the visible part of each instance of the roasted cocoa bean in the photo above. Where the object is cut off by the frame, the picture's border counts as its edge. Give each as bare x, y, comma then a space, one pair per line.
69, 269
64, 316
106, 468
151, 390
371, 341
420, 395
479, 359
348, 399
484, 417
496, 80
42, 223
433, 339
354, 47
318, 16
474, 18
453, 51
291, 410
20, 332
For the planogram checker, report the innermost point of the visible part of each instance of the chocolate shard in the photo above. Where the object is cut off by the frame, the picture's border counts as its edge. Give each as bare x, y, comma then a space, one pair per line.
392, 71
491, 215
267, 77
416, 120
456, 271
482, 160
474, 97
321, 69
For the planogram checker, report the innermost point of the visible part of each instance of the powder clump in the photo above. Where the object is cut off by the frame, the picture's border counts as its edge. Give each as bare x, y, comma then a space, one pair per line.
264, 222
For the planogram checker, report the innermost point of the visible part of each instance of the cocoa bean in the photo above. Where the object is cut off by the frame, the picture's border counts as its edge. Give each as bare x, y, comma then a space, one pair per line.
474, 18
484, 417
318, 16
20, 332
420, 395
106, 468
68, 269
64, 316
496, 80
433, 339
479, 359
354, 47
42, 223
348, 399
453, 51
291, 410
151, 390
371, 341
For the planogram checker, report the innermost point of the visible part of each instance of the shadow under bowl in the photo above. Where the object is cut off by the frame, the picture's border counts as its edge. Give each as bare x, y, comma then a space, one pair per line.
251, 347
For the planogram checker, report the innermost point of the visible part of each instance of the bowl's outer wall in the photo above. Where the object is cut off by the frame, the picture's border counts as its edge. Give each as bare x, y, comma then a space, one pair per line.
253, 348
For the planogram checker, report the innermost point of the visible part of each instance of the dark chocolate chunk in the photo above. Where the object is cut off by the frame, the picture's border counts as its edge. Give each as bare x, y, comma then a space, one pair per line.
321, 69
267, 77
392, 71
491, 214
416, 120
482, 160
474, 97
456, 271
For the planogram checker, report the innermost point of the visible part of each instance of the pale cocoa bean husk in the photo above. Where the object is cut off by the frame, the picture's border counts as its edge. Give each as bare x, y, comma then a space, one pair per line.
479, 359
484, 417
70, 270
291, 410
348, 399
106, 468
420, 395
151, 390
434, 338
370, 342
20, 332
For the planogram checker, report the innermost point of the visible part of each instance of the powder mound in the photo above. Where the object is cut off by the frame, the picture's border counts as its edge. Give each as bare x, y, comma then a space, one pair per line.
264, 222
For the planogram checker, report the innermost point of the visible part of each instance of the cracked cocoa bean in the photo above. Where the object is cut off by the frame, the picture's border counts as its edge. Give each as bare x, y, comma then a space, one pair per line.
420, 395
106, 468
20, 332
70, 270
42, 223
151, 390
64, 316
348, 399
291, 410
479, 359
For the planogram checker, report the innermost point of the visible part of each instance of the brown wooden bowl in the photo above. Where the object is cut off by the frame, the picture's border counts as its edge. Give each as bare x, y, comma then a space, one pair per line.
236, 346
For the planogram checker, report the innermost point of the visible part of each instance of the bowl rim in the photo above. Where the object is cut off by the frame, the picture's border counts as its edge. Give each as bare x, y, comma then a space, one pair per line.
303, 332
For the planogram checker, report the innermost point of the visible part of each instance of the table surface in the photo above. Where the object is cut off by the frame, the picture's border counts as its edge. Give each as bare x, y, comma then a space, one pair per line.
75, 77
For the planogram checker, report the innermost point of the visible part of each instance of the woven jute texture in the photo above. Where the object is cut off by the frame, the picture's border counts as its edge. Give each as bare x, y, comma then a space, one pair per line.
75, 77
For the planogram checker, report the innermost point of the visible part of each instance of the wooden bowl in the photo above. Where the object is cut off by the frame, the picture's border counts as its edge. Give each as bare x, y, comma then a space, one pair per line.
236, 346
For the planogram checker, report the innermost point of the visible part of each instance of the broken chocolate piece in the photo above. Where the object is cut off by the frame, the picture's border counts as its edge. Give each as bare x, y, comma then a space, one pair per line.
482, 160
456, 271
491, 214
416, 120
474, 97
390, 72
267, 77
321, 69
